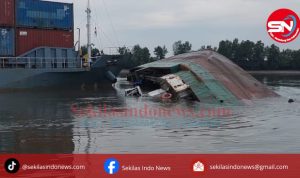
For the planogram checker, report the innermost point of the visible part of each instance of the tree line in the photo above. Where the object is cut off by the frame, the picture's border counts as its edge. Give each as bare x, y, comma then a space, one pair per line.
247, 54
256, 56
140, 55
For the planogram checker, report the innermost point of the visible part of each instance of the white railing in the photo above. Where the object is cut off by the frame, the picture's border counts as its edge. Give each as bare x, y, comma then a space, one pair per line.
40, 63
113, 50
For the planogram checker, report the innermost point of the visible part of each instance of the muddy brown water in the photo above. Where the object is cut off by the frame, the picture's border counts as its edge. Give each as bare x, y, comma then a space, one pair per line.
107, 122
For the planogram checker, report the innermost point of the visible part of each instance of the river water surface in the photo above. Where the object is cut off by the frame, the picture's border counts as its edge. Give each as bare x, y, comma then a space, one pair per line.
71, 122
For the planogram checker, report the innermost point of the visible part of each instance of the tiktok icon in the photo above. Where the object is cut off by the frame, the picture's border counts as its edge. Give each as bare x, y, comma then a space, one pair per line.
12, 166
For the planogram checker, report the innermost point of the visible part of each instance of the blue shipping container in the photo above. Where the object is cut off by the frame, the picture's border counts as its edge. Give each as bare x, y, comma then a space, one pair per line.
7, 42
44, 14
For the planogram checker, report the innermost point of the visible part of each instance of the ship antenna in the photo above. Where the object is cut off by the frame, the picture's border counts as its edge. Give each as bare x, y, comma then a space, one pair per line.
88, 26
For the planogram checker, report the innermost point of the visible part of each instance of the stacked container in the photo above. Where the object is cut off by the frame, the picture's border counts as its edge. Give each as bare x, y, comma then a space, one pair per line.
7, 13
7, 32
42, 38
29, 24
44, 15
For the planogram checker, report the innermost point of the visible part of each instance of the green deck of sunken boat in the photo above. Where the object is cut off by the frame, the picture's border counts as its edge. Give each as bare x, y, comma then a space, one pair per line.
212, 77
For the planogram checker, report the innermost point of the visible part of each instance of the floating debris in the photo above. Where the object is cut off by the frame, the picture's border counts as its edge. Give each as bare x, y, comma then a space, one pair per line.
291, 101
156, 93
136, 91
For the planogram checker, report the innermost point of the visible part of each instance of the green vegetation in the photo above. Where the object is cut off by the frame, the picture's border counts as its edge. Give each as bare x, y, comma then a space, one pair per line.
136, 56
160, 52
95, 51
247, 54
257, 56
140, 55
180, 48
124, 50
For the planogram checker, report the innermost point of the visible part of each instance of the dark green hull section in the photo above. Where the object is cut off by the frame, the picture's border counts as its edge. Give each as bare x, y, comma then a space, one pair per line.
101, 73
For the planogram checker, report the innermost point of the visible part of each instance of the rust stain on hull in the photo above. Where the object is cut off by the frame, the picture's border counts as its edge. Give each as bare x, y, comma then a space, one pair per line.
210, 76
234, 78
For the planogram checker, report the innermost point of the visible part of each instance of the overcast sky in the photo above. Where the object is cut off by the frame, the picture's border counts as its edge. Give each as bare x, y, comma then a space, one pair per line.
162, 22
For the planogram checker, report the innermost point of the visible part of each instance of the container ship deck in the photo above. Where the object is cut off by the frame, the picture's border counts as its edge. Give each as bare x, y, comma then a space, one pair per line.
37, 49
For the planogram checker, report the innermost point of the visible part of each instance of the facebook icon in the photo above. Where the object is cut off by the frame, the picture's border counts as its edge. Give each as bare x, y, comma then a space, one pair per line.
111, 166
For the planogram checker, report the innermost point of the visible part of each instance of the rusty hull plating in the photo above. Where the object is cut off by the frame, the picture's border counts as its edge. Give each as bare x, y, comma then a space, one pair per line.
211, 77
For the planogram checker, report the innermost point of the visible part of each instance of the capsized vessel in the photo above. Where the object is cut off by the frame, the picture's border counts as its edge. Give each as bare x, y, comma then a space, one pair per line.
205, 76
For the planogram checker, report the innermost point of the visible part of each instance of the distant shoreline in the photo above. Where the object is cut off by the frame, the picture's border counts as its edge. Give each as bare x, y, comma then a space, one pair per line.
275, 72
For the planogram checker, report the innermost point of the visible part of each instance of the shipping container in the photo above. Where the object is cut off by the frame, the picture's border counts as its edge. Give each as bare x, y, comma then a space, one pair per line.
44, 14
7, 42
28, 39
7, 13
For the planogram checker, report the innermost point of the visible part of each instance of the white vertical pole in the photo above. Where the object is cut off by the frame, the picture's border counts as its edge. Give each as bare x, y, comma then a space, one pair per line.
88, 26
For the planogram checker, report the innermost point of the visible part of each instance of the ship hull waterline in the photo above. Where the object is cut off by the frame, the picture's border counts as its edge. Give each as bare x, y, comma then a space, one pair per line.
25, 79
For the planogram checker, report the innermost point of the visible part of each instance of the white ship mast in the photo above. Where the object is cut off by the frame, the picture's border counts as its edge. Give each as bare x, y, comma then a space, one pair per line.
88, 26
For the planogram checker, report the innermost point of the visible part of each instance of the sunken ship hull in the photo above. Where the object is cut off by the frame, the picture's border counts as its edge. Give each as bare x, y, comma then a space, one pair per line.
205, 76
